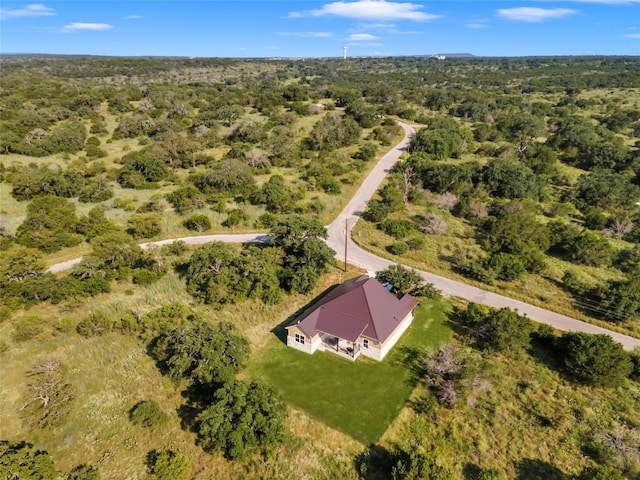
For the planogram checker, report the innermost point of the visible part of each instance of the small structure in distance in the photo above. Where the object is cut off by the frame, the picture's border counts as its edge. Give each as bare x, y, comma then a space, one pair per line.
344, 53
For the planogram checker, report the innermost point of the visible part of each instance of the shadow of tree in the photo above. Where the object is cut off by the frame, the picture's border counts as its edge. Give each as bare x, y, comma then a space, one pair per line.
411, 358
280, 330
543, 349
151, 458
534, 469
471, 471
374, 463
197, 398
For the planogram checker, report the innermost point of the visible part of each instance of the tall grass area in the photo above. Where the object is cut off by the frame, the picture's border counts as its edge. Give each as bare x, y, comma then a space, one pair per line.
526, 419
109, 374
360, 398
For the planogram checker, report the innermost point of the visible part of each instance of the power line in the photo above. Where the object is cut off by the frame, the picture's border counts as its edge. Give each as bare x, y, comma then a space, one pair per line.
597, 307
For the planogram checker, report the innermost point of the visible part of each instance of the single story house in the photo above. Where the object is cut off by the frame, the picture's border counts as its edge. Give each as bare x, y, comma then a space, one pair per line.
358, 317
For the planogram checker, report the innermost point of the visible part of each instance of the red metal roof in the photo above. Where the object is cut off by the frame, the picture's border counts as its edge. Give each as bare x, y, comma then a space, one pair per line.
359, 306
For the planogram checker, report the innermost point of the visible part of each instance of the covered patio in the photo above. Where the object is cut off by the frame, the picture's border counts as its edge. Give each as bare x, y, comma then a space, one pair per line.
340, 333
339, 346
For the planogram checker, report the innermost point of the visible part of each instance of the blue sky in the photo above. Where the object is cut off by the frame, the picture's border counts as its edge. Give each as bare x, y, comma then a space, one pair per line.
244, 28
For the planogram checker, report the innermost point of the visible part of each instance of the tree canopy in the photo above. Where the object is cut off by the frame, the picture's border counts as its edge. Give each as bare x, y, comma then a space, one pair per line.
244, 419
204, 352
595, 359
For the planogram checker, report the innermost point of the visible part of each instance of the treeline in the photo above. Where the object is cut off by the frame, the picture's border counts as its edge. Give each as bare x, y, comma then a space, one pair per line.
216, 273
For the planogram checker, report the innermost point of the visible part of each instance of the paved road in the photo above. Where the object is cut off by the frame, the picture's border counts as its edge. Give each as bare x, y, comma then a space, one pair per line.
361, 258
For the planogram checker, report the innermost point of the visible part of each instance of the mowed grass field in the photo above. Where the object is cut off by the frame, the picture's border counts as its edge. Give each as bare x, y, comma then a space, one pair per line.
360, 398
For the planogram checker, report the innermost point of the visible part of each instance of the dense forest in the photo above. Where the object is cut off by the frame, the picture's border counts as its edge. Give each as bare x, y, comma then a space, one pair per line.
523, 178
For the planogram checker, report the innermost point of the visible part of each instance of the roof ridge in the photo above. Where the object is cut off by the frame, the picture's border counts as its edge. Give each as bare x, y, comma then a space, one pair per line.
366, 298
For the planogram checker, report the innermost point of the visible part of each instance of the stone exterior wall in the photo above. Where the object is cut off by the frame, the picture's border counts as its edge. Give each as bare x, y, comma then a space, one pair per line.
310, 344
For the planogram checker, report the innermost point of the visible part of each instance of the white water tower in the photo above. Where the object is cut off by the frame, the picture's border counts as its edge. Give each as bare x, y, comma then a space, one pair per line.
344, 53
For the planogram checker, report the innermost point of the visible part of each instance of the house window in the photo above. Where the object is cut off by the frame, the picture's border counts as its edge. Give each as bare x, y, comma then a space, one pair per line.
299, 338
365, 343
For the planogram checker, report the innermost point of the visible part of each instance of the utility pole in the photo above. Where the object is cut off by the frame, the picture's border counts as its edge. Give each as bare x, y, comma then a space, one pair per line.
346, 241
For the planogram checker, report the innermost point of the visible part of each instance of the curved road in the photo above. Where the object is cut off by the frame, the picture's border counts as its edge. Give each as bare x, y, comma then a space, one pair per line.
361, 258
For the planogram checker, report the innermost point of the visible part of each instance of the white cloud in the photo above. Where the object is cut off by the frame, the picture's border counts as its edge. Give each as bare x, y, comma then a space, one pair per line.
477, 25
534, 14
376, 26
390, 28
32, 10
133, 17
80, 26
306, 34
362, 37
370, 10
633, 35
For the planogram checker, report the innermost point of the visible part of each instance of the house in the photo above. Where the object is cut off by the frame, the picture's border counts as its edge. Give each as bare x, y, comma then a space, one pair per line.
358, 317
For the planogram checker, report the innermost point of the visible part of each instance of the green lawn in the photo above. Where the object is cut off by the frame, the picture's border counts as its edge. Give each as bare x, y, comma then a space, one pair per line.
359, 398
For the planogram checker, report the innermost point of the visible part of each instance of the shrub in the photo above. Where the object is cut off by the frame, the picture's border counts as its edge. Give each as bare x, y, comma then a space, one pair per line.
24, 460
235, 218
399, 248
147, 413
476, 270
376, 211
146, 276
600, 472
95, 152
595, 359
428, 290
83, 472
176, 248
416, 243
491, 473
95, 192
425, 405
94, 325
169, 465
398, 228
145, 225
410, 463
198, 222
27, 328
635, 358
330, 185
506, 266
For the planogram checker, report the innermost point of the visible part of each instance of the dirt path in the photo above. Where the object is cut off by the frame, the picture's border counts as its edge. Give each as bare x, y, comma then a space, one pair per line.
361, 258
